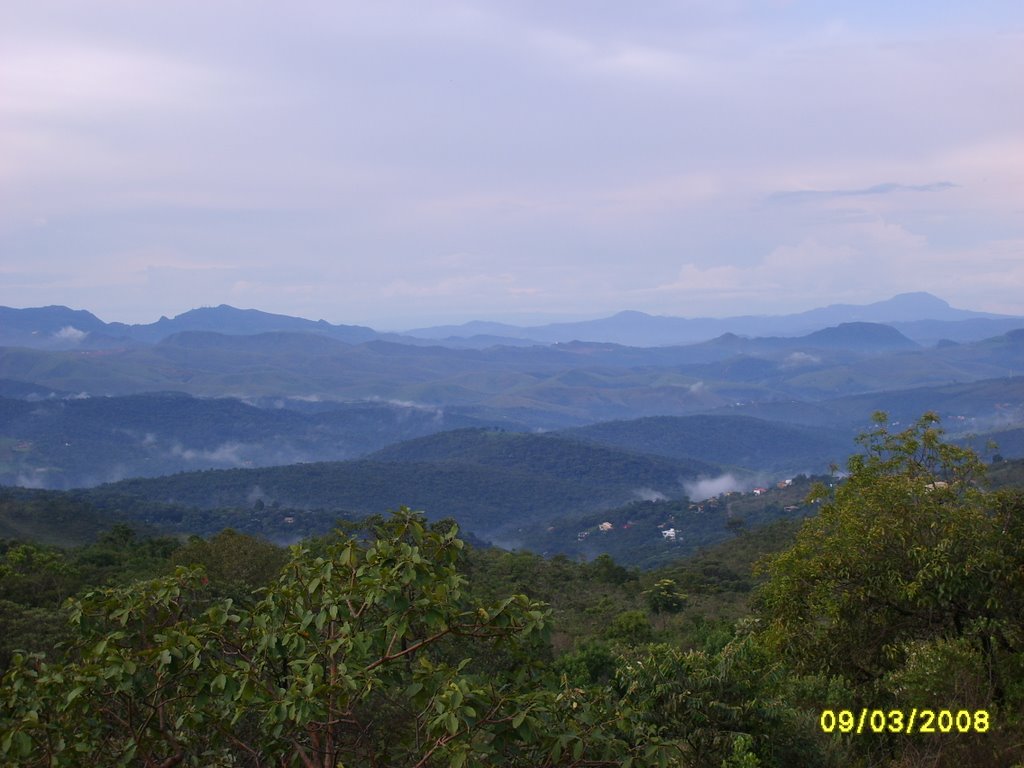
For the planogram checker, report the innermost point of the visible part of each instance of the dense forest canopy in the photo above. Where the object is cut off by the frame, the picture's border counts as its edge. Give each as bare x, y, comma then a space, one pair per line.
390, 642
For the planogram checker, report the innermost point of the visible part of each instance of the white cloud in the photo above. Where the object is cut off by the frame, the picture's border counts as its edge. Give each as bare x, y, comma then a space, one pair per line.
70, 333
460, 286
649, 494
705, 488
73, 79
800, 358
621, 58
231, 453
583, 158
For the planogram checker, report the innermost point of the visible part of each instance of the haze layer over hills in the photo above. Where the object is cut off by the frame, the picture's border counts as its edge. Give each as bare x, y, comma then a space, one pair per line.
310, 415
920, 316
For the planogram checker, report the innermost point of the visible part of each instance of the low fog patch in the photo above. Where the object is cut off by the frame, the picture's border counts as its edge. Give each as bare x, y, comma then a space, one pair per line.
70, 333
226, 453
33, 480
285, 541
410, 405
800, 358
35, 397
509, 544
257, 494
708, 487
113, 474
649, 494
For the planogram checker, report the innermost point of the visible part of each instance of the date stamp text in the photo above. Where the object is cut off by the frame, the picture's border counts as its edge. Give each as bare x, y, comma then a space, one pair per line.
904, 721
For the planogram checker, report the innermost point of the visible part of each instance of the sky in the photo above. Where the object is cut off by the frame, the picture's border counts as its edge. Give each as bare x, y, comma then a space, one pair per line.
403, 164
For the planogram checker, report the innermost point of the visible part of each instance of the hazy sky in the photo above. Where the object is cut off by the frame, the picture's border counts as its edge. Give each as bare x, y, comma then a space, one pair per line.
410, 163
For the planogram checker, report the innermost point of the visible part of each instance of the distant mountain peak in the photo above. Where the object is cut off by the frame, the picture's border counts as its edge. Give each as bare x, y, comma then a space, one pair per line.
904, 307
632, 313
920, 300
877, 336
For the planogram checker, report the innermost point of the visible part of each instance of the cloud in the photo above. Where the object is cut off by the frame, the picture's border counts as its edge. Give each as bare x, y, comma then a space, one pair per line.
476, 289
800, 358
579, 151
70, 333
712, 486
616, 58
887, 188
436, 411
72, 78
827, 265
649, 494
229, 453
36, 479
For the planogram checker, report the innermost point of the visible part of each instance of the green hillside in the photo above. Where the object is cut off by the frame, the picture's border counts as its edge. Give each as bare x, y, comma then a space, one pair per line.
52, 517
492, 482
546, 454
652, 534
730, 440
75, 442
563, 384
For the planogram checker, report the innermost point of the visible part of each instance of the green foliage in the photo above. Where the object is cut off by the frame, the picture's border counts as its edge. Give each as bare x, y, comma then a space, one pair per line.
909, 584
68, 443
636, 536
592, 662
702, 702
485, 497
235, 563
632, 628
389, 642
727, 440
36, 575
51, 517
342, 661
664, 597
742, 756
36, 579
607, 571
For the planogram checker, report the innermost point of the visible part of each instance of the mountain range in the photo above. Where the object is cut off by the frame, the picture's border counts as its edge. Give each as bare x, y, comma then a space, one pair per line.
84, 402
541, 386
920, 316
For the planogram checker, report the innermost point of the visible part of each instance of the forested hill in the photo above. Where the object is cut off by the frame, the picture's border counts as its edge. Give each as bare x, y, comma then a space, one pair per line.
561, 455
494, 483
74, 442
900, 600
732, 440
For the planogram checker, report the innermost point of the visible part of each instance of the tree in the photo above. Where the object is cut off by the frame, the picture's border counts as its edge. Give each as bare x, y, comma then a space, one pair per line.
664, 597
235, 563
367, 652
716, 709
908, 583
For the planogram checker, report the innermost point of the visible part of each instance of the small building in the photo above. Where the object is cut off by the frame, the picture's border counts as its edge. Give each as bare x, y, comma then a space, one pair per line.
669, 534
605, 526
759, 491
